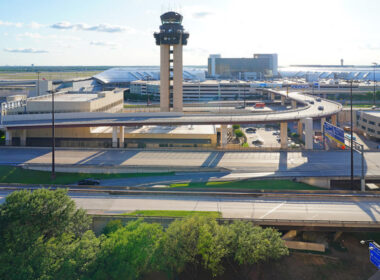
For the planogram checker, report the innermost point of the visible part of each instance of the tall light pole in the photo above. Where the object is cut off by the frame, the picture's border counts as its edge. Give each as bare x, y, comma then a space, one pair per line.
38, 83
374, 83
351, 141
52, 137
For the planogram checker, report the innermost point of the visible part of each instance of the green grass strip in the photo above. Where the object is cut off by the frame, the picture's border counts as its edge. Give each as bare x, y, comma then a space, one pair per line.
252, 185
14, 174
173, 213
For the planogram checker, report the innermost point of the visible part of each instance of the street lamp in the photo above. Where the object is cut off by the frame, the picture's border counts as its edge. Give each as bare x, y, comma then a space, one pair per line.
374, 83
52, 137
351, 140
38, 83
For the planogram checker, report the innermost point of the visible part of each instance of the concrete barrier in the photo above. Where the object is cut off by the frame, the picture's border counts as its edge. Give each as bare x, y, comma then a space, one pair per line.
305, 246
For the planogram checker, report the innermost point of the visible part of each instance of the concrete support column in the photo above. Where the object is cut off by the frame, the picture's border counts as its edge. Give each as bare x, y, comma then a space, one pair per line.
223, 135
294, 104
300, 129
121, 136
23, 138
323, 120
114, 137
165, 78
8, 137
325, 96
308, 133
284, 135
283, 100
177, 78
333, 119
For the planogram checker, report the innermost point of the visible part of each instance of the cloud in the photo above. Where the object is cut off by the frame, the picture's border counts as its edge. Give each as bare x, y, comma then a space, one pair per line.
29, 35
103, 27
35, 25
104, 44
198, 51
28, 50
12, 24
201, 14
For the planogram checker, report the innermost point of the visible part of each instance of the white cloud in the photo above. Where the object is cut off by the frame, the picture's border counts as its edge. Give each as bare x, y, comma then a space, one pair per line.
27, 50
103, 27
35, 25
201, 14
12, 24
29, 35
104, 44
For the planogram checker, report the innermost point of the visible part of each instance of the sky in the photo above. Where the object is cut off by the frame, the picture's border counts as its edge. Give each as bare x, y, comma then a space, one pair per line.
120, 32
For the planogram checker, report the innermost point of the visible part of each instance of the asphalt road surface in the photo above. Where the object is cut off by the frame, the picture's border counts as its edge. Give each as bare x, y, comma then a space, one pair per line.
358, 210
305, 163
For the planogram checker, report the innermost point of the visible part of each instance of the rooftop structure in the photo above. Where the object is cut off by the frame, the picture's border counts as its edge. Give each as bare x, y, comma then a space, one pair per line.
123, 76
332, 72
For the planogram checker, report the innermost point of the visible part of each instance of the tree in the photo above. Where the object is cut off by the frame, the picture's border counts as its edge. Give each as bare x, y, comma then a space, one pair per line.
251, 244
235, 126
112, 226
238, 133
33, 227
127, 253
179, 245
213, 246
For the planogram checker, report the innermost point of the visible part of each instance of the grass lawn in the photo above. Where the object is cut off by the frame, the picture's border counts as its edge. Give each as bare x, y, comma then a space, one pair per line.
174, 213
252, 185
12, 174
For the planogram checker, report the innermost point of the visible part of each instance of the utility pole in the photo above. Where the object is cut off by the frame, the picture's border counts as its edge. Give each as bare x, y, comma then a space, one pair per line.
38, 83
374, 83
53, 137
352, 143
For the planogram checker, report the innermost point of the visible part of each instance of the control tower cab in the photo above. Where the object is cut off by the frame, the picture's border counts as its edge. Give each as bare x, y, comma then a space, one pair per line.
171, 38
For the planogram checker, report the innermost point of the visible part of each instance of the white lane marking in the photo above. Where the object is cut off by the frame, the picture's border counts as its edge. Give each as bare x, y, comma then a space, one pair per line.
274, 209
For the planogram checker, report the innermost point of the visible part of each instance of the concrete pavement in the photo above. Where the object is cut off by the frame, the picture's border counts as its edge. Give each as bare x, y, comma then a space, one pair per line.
95, 119
305, 163
305, 209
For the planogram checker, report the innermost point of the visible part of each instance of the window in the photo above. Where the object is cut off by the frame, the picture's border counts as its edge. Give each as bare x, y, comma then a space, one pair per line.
371, 122
364, 120
371, 130
363, 127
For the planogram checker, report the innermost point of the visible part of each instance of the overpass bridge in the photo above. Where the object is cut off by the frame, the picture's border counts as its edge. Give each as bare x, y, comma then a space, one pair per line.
313, 108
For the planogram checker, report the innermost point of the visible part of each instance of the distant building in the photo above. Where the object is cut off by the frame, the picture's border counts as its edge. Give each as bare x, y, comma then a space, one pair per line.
206, 90
368, 122
258, 67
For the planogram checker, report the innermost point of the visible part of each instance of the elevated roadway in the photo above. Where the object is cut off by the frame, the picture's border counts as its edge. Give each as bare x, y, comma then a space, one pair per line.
94, 119
329, 212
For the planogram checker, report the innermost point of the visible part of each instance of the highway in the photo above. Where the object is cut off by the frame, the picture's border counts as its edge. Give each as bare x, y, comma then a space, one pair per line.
94, 119
301, 209
300, 163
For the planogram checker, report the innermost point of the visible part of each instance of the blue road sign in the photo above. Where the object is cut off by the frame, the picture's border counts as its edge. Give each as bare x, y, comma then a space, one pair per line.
334, 133
299, 86
374, 254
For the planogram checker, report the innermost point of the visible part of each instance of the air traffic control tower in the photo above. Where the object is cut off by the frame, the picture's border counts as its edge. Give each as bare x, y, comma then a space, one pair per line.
171, 38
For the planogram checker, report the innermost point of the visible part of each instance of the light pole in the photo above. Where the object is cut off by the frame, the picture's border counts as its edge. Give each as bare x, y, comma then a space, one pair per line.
351, 140
374, 83
52, 137
38, 83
